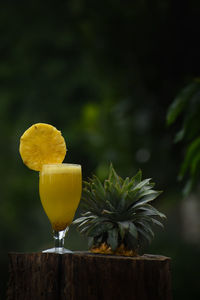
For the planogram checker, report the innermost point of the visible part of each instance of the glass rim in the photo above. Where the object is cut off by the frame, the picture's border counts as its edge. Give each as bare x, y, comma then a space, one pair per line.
60, 165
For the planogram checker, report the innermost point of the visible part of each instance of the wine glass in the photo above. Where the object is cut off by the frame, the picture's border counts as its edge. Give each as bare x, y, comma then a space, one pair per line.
60, 187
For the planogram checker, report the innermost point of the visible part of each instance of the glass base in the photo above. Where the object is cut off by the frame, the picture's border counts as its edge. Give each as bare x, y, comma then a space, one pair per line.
58, 250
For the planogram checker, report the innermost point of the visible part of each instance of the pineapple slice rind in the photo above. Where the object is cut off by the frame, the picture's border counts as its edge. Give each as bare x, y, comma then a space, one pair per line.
42, 144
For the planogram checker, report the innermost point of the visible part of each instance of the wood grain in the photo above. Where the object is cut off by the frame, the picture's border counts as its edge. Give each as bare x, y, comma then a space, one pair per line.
83, 275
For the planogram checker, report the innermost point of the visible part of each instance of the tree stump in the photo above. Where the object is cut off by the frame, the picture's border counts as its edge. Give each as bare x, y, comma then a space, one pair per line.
82, 275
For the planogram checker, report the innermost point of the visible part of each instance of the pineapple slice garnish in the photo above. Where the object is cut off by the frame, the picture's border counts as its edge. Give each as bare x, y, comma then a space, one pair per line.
42, 144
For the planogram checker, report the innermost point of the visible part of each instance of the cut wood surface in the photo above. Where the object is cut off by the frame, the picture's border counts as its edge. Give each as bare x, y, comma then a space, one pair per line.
82, 275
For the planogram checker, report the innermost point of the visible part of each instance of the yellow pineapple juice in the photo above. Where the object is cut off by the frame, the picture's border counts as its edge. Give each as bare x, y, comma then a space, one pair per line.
60, 188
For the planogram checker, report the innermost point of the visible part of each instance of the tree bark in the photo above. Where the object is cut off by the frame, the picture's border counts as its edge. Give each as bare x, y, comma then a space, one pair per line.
83, 275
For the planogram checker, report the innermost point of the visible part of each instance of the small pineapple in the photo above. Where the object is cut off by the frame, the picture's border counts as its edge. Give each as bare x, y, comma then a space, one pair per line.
117, 217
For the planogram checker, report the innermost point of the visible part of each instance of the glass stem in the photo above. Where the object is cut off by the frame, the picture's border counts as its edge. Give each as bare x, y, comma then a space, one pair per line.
59, 237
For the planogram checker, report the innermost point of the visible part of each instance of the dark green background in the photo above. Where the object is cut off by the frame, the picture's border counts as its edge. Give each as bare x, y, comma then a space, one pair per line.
104, 73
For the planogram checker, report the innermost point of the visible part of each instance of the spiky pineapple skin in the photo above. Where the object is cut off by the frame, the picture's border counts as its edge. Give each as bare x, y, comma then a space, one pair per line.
117, 213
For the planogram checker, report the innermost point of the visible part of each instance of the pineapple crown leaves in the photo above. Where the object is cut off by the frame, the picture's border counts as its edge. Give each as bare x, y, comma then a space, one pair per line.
118, 211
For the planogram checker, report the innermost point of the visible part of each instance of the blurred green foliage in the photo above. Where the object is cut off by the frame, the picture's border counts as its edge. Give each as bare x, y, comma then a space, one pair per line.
105, 74
186, 107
